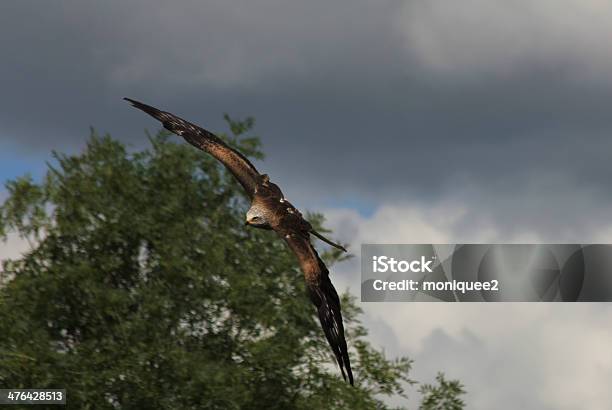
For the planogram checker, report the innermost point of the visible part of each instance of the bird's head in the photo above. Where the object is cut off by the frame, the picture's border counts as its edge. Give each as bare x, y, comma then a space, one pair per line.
256, 218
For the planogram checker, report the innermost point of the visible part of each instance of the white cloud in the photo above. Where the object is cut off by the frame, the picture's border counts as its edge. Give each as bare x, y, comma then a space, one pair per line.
509, 355
13, 247
443, 222
478, 37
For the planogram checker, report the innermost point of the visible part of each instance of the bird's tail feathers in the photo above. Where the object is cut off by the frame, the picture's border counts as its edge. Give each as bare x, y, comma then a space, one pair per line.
327, 241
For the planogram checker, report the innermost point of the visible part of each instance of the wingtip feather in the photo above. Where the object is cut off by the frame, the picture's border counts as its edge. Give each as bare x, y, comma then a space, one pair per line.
137, 104
152, 111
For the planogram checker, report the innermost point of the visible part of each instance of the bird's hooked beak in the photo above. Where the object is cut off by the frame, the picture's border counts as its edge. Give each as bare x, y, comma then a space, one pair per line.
247, 222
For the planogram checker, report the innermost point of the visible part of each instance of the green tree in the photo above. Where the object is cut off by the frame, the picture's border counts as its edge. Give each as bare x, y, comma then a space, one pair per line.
143, 289
446, 395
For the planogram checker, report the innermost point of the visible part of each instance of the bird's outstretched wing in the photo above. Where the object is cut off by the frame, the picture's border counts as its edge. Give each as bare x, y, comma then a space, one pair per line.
325, 298
234, 161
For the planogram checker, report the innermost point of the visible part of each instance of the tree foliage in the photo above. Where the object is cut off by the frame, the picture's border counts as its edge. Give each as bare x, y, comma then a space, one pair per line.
142, 289
446, 395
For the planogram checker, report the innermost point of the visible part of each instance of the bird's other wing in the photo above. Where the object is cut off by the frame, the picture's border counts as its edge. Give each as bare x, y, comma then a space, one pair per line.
325, 298
205, 140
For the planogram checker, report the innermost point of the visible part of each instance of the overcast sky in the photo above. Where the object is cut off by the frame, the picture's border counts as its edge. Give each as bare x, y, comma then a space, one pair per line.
404, 121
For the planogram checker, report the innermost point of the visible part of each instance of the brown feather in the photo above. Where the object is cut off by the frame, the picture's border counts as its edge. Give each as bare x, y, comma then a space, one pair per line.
325, 298
205, 140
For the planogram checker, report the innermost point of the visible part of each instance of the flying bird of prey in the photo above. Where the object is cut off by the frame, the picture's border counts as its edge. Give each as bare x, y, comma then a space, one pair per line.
270, 210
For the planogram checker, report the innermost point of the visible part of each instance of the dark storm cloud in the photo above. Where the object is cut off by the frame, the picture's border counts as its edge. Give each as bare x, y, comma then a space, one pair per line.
346, 97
